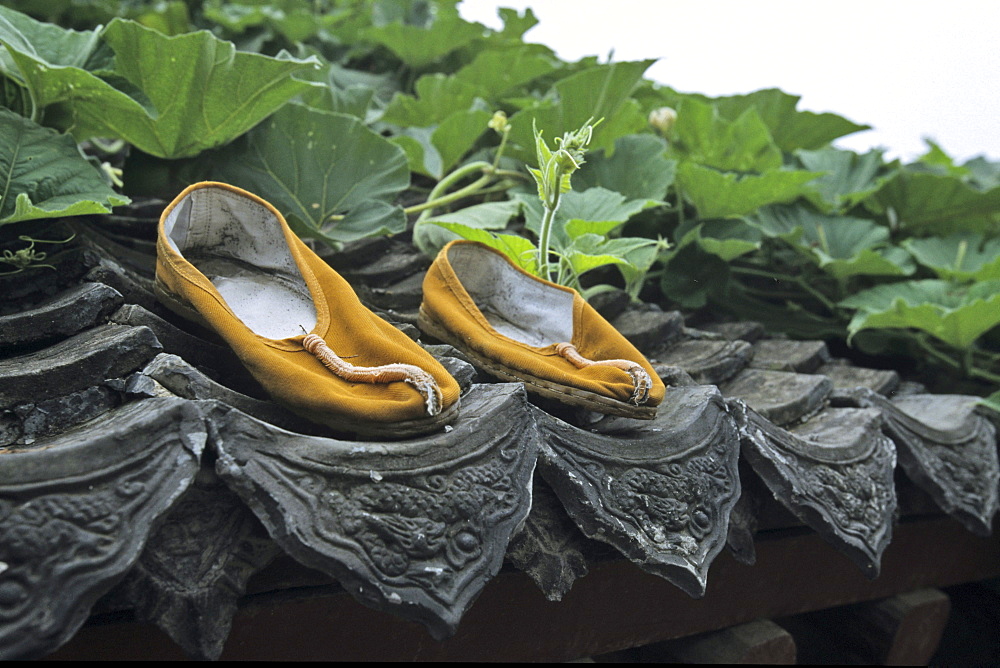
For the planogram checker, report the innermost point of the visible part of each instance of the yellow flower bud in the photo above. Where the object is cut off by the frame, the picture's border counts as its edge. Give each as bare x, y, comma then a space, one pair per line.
499, 122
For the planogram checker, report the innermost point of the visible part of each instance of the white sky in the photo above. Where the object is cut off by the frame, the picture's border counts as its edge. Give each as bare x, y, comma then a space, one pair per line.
908, 68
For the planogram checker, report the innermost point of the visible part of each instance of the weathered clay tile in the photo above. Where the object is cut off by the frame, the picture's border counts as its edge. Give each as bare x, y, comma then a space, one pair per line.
948, 449
69, 312
834, 472
415, 528
196, 564
549, 548
77, 509
708, 361
782, 397
789, 355
83, 360
660, 492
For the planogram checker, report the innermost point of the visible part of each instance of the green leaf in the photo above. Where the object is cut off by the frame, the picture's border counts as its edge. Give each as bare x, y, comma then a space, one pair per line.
430, 238
723, 195
419, 46
956, 314
44, 175
983, 173
514, 24
789, 129
520, 250
345, 90
632, 255
595, 93
421, 155
850, 177
725, 239
316, 166
188, 93
840, 245
638, 168
503, 72
45, 42
992, 403
595, 205
296, 20
960, 257
939, 204
743, 144
437, 97
456, 135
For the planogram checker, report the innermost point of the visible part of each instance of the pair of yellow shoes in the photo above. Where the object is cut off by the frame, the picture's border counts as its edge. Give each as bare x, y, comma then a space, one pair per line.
228, 260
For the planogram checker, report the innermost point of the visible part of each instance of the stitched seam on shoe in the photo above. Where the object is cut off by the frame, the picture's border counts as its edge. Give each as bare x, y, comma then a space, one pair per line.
497, 369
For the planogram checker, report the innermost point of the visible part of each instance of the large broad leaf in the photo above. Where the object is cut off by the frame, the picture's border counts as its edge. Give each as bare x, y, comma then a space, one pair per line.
638, 169
725, 239
434, 150
742, 144
344, 90
520, 250
419, 46
44, 175
956, 314
840, 245
600, 92
46, 42
632, 255
296, 20
431, 238
185, 93
939, 204
594, 205
725, 194
315, 167
850, 177
501, 73
962, 257
437, 97
790, 129
983, 173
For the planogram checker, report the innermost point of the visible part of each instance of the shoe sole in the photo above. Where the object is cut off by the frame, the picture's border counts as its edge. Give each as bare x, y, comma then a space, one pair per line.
401, 429
564, 394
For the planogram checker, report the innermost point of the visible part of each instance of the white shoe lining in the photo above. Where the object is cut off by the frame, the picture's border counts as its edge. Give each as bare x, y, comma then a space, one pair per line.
515, 305
239, 246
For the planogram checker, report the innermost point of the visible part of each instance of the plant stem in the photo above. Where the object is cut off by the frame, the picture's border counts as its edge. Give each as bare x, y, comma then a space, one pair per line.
545, 234
434, 202
437, 197
929, 348
797, 280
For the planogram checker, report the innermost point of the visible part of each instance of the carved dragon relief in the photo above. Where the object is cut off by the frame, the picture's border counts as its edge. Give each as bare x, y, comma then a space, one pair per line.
418, 534
946, 449
68, 535
839, 481
661, 495
196, 564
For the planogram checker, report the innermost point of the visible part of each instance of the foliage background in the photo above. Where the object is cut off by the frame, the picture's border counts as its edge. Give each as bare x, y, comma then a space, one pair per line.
363, 117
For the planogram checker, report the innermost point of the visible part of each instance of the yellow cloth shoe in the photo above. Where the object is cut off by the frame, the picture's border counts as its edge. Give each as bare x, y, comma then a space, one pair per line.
521, 328
228, 260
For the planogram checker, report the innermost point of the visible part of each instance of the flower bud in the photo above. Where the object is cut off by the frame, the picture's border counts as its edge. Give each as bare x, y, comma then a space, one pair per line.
499, 122
663, 119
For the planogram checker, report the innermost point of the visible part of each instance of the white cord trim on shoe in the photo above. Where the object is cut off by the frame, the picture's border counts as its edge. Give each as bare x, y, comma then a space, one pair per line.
641, 381
422, 381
